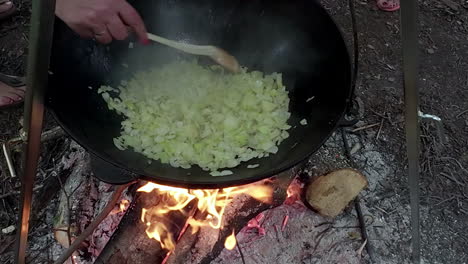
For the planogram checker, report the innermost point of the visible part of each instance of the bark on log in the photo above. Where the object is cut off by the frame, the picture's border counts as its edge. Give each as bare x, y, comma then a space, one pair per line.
130, 243
82, 197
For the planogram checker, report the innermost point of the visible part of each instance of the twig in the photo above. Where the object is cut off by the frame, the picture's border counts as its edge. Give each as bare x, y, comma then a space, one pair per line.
456, 161
359, 251
6, 245
285, 222
240, 253
187, 224
67, 197
16, 143
166, 258
347, 148
380, 129
463, 112
429, 166
446, 200
18, 192
90, 229
357, 205
320, 236
382, 210
364, 127
362, 223
384, 117
452, 178
38, 252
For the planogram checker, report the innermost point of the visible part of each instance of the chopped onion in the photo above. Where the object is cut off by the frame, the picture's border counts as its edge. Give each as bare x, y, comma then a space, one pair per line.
222, 173
184, 114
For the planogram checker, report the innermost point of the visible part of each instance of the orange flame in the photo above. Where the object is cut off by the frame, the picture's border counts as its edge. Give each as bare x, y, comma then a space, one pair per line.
294, 192
123, 205
230, 242
210, 203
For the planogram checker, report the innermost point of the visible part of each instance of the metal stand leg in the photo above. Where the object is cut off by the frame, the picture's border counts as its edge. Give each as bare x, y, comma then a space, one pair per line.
409, 36
42, 22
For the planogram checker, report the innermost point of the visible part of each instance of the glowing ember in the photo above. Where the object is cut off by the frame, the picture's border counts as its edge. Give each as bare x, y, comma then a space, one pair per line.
230, 242
123, 205
285, 222
294, 192
254, 223
210, 203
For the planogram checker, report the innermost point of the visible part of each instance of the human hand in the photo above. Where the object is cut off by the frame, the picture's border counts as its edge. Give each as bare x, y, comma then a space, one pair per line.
103, 20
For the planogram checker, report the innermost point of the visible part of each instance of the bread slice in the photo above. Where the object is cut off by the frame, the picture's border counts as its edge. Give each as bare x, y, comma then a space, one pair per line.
330, 194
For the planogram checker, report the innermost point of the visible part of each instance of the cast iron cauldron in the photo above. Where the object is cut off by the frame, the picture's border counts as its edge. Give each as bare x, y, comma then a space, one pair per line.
294, 37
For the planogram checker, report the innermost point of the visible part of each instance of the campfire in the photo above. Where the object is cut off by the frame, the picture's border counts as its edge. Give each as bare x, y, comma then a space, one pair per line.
210, 204
151, 222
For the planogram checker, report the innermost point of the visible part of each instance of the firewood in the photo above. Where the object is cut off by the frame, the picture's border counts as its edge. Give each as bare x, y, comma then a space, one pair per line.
130, 243
206, 244
330, 194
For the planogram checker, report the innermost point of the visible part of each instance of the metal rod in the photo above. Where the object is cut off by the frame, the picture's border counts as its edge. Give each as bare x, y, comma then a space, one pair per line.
41, 32
409, 35
9, 160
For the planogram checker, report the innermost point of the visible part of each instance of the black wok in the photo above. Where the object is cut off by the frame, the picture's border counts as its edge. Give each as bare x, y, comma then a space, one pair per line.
296, 38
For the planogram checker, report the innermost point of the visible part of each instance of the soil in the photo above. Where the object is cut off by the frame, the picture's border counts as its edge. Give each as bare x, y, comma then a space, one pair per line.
444, 161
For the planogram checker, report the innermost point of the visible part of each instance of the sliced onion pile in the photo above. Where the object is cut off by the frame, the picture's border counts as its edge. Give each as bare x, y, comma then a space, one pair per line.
185, 114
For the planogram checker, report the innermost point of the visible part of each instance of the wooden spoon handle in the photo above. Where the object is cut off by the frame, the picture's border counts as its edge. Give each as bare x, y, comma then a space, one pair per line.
218, 55
188, 48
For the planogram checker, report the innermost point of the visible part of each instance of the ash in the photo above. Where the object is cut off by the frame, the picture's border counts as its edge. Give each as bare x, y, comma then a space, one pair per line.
310, 238
87, 197
305, 238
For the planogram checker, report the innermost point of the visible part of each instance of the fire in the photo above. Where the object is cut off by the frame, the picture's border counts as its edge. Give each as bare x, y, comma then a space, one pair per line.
123, 205
230, 242
294, 192
209, 203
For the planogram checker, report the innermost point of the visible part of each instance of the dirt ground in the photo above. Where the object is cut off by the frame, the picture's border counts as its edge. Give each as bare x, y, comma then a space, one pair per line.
444, 92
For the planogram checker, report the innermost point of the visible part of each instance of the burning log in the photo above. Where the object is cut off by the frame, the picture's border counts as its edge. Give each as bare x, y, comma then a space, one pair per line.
206, 244
174, 225
166, 222
130, 242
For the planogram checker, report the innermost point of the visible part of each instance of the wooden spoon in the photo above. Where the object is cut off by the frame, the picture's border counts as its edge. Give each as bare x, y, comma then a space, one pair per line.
220, 56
